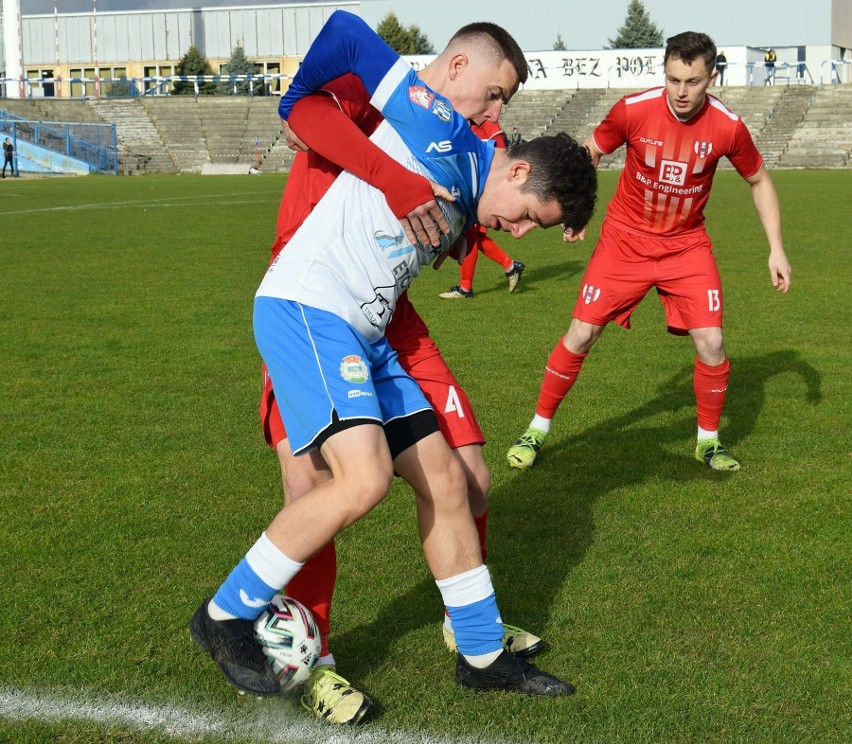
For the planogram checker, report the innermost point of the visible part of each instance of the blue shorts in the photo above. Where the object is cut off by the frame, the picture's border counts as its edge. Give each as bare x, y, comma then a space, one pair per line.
324, 371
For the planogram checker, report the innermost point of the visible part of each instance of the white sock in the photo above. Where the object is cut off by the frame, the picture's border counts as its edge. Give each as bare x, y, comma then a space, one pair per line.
539, 422
704, 434
480, 661
327, 660
217, 613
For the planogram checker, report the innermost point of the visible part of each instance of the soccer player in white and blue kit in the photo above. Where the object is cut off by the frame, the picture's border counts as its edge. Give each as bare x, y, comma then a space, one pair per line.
320, 315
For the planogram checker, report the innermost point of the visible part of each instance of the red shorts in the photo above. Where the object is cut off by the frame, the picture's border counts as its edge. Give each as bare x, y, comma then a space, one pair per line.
627, 263
420, 357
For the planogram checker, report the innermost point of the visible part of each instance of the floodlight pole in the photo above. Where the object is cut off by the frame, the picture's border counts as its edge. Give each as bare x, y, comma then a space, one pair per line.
14, 52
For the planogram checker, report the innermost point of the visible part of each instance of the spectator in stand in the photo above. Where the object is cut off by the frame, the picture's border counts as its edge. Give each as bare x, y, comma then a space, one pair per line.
769, 61
8, 157
721, 66
516, 137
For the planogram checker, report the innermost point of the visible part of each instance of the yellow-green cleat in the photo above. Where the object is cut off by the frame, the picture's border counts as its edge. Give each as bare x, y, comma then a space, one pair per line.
715, 455
516, 640
523, 452
330, 697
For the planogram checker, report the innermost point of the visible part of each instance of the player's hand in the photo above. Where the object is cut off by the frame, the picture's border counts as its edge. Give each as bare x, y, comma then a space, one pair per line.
779, 272
293, 142
458, 251
570, 236
425, 223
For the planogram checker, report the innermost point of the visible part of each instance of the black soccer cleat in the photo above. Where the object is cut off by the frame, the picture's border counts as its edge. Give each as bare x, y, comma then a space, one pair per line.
512, 674
234, 647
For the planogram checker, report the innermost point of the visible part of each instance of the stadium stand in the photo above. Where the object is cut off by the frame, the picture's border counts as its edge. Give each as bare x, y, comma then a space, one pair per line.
824, 138
794, 126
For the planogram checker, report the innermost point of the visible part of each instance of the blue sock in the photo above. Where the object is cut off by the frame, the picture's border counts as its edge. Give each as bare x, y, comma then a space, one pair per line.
244, 594
477, 627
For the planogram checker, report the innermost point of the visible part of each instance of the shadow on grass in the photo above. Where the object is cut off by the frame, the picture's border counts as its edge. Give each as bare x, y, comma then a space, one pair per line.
551, 525
489, 280
543, 523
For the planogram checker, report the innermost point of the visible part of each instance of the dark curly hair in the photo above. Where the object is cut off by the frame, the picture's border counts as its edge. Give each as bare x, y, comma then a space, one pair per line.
562, 171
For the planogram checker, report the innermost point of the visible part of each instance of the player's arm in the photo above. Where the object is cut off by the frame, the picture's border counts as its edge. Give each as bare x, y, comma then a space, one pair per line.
769, 210
593, 149
344, 44
332, 134
347, 44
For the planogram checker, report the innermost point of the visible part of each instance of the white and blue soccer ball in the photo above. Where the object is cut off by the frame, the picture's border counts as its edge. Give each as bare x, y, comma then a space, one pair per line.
290, 638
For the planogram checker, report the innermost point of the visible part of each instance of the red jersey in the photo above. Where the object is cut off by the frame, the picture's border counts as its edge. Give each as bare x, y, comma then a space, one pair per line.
489, 131
670, 163
312, 175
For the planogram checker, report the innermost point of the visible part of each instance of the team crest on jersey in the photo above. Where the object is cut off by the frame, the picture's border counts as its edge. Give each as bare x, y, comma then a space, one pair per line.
703, 149
353, 369
673, 172
442, 109
420, 95
590, 293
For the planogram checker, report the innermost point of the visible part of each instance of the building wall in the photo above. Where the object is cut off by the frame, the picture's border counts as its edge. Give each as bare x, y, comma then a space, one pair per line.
150, 43
141, 44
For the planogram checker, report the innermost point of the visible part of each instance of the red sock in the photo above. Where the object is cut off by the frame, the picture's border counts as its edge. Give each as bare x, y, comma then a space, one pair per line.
313, 586
468, 267
562, 369
495, 252
481, 523
710, 385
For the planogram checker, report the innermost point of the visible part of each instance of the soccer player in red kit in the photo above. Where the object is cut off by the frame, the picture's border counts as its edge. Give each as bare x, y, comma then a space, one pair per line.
654, 236
478, 240
331, 121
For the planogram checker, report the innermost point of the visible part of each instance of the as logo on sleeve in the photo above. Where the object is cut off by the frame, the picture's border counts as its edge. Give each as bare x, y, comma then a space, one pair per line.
673, 172
420, 96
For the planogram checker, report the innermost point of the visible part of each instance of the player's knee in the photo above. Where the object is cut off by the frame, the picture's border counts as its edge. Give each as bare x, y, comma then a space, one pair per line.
581, 336
367, 489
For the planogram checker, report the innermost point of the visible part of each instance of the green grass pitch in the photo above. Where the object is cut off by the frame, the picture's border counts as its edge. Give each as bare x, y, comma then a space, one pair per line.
684, 604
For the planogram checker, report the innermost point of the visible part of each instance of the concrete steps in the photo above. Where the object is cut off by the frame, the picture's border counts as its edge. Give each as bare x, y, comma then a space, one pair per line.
795, 126
141, 148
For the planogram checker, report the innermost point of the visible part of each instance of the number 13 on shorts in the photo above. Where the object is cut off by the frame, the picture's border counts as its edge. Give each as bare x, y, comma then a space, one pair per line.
713, 302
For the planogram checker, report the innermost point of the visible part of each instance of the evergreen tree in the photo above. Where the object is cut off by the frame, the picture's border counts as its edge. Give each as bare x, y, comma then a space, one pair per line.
403, 39
638, 31
239, 64
559, 44
193, 63
420, 41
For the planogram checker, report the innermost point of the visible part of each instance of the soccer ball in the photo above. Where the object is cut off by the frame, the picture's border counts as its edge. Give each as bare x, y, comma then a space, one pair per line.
290, 638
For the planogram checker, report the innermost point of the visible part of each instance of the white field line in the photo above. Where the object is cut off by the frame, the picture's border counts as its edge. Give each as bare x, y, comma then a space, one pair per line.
272, 720
180, 201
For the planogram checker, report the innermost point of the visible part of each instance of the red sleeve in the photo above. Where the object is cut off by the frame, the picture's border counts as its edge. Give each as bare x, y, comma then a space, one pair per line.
610, 134
324, 128
744, 156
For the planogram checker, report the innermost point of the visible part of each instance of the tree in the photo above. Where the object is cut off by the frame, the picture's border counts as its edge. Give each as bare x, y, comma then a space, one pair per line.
403, 40
238, 64
193, 63
638, 31
559, 44
420, 41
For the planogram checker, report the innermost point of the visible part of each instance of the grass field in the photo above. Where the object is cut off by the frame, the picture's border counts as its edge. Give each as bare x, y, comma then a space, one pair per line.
685, 605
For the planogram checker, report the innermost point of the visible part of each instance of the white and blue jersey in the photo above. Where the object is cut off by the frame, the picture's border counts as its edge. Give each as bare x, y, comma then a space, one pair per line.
350, 257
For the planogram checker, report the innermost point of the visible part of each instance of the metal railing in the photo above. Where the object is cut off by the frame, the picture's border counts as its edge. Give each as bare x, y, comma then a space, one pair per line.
125, 87
94, 144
